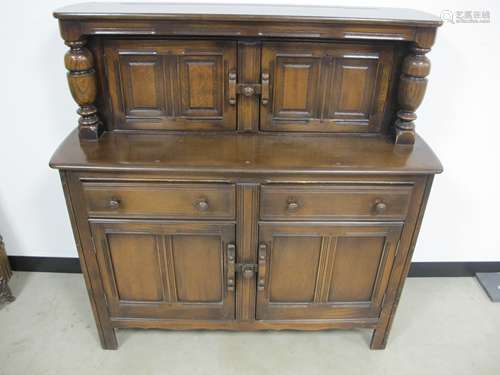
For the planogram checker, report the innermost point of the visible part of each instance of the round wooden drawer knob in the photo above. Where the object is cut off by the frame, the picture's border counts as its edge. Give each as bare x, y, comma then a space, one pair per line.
292, 206
202, 205
114, 203
380, 207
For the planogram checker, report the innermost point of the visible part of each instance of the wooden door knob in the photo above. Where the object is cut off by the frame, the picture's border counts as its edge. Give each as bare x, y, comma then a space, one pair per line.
202, 205
248, 91
292, 206
380, 207
114, 203
248, 273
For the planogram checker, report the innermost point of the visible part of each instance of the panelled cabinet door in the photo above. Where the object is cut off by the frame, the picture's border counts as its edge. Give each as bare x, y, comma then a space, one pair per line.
175, 85
166, 270
325, 87
324, 270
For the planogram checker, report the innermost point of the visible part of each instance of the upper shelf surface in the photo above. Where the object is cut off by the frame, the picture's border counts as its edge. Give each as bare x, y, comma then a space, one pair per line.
247, 12
245, 154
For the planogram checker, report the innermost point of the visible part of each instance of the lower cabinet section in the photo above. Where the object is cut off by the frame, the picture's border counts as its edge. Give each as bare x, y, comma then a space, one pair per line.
253, 257
165, 270
186, 270
324, 270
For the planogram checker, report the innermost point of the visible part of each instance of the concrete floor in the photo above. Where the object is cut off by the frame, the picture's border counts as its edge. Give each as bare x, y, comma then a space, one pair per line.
443, 326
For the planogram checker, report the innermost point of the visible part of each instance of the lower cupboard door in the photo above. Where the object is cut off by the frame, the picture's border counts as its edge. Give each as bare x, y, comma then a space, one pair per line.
324, 270
162, 270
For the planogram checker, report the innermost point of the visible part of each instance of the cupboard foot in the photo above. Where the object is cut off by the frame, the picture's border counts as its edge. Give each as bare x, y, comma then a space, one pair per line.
108, 339
379, 338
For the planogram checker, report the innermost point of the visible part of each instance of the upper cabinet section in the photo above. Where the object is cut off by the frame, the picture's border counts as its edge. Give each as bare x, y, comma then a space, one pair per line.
195, 85
325, 87
247, 68
175, 85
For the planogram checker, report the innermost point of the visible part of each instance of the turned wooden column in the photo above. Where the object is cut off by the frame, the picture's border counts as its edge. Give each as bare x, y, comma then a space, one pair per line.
82, 83
5, 274
412, 85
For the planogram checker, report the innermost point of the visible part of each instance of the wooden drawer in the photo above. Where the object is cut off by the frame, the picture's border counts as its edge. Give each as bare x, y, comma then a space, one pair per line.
165, 200
329, 202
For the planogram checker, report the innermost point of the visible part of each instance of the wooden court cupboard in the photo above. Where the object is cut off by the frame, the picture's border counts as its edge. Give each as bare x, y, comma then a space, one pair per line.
245, 167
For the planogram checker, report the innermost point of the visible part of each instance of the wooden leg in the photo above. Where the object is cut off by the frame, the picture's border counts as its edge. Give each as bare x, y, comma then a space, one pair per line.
381, 333
108, 338
379, 338
106, 331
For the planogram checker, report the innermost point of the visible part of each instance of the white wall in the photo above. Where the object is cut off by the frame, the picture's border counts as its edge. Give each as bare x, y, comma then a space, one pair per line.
458, 118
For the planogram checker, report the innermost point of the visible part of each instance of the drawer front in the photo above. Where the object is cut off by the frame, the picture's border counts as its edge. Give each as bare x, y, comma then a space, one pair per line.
165, 200
298, 202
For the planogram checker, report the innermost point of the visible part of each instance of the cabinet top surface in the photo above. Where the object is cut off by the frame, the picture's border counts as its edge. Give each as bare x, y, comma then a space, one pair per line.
246, 12
245, 154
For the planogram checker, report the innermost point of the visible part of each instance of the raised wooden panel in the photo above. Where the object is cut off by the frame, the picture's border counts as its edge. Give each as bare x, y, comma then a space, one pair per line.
294, 263
326, 87
171, 84
325, 270
141, 78
296, 82
165, 270
353, 90
136, 266
355, 268
200, 86
198, 268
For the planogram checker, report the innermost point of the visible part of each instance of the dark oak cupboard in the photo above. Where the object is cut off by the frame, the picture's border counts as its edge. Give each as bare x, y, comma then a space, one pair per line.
245, 168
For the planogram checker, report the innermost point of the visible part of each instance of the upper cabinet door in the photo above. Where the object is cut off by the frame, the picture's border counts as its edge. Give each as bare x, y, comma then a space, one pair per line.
175, 85
325, 87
